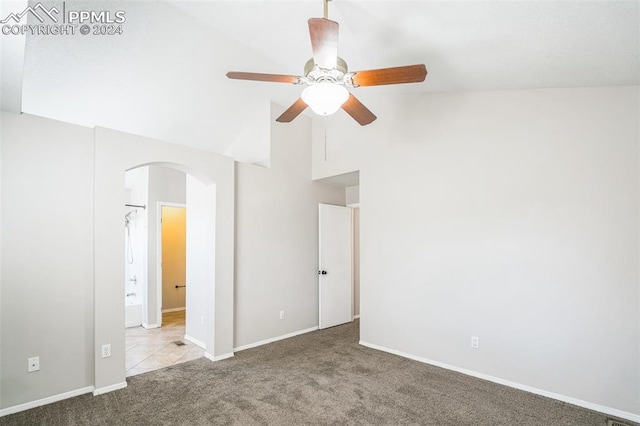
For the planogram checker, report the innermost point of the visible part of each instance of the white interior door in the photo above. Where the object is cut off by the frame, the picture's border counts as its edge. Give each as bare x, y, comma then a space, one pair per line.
335, 272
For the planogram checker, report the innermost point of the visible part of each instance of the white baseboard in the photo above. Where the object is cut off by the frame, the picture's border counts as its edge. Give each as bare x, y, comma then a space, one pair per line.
164, 311
195, 341
219, 357
552, 395
356, 316
274, 339
148, 326
110, 388
45, 401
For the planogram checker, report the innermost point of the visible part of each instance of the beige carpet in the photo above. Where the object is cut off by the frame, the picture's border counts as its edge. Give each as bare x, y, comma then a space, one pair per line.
319, 378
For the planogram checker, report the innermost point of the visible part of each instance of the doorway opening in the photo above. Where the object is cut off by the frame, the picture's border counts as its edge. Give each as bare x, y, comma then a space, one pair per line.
172, 260
345, 231
161, 328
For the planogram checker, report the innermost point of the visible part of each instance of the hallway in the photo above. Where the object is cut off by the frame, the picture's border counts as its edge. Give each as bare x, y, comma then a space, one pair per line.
152, 349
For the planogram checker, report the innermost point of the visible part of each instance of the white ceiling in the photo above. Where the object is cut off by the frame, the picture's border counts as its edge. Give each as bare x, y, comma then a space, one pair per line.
165, 76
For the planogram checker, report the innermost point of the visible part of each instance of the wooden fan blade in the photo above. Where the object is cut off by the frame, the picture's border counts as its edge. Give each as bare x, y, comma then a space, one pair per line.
254, 76
397, 75
293, 111
324, 42
358, 111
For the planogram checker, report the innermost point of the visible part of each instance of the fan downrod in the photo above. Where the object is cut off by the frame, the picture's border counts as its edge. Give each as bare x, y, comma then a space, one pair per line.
326, 9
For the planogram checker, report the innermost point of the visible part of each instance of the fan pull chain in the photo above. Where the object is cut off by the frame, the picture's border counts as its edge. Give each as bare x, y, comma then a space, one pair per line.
325, 142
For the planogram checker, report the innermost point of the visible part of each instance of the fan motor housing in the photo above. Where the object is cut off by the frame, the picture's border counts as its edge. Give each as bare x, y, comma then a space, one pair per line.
317, 74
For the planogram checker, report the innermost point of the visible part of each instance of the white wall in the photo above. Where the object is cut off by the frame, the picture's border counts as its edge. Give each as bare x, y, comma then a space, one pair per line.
47, 262
165, 185
201, 213
277, 237
512, 216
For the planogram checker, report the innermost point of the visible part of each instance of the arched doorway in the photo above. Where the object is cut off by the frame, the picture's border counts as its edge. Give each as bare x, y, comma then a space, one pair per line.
116, 152
166, 273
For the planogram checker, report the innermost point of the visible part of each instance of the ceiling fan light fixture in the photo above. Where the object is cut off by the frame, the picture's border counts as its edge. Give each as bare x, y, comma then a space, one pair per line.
327, 77
325, 98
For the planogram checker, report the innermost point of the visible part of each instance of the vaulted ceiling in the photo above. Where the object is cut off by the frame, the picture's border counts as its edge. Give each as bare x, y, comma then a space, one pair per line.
164, 77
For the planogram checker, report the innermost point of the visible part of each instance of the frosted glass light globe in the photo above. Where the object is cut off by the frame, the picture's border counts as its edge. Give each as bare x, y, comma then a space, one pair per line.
325, 98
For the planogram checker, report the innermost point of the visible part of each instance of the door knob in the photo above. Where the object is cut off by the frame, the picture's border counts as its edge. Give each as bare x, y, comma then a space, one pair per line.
322, 272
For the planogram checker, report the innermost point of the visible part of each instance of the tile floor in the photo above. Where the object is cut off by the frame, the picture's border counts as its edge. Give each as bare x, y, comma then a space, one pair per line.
152, 349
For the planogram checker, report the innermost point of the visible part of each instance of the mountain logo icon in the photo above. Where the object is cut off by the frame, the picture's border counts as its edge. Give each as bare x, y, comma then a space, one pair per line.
37, 11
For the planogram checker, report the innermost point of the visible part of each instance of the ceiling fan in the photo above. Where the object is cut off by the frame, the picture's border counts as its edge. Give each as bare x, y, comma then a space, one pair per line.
327, 77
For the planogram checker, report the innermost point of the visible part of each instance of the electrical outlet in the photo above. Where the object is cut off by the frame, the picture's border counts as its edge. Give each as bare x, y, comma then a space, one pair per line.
106, 351
281, 314
33, 364
475, 342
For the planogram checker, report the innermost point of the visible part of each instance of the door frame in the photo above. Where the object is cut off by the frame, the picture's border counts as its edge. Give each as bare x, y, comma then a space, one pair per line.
159, 206
355, 206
